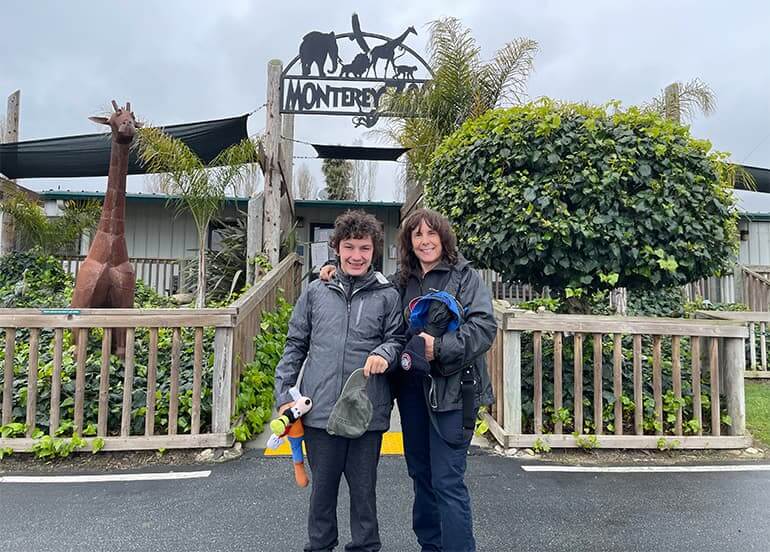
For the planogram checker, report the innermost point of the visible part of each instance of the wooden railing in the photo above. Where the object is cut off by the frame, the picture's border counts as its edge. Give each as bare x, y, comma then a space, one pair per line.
537, 352
283, 281
162, 275
749, 285
756, 290
756, 352
119, 397
513, 292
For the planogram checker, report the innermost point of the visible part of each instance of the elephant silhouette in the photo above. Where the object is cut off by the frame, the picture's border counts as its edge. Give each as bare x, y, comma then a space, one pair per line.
315, 48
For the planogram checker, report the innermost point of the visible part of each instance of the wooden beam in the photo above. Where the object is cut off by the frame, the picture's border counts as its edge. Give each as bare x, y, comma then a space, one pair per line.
287, 162
734, 368
139, 442
7, 224
736, 316
624, 325
512, 381
756, 374
253, 232
223, 373
271, 217
633, 441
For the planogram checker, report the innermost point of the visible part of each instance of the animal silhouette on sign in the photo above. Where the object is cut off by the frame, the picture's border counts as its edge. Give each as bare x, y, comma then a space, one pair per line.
387, 51
405, 71
106, 278
357, 67
315, 48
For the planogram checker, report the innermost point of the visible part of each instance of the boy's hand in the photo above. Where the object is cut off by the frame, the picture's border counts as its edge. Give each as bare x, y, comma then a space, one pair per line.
375, 364
284, 407
327, 272
429, 356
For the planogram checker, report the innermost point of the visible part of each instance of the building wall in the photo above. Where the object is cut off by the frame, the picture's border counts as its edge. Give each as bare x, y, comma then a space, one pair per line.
155, 230
389, 216
756, 249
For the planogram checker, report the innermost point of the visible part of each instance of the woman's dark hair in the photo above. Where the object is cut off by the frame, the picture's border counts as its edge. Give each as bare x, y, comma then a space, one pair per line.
408, 261
357, 225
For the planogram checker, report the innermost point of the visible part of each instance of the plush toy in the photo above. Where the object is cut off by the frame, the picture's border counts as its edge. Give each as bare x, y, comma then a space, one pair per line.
289, 425
299, 408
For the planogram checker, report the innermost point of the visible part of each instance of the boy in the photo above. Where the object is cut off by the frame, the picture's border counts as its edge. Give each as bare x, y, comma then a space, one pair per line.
351, 321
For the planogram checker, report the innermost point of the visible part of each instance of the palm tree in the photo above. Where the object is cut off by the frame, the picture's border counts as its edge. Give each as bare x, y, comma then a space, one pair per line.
337, 173
463, 87
682, 101
50, 235
198, 188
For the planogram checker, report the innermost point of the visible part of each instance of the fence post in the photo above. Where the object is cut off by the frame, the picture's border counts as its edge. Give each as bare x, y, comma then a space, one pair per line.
511, 380
734, 366
738, 292
223, 373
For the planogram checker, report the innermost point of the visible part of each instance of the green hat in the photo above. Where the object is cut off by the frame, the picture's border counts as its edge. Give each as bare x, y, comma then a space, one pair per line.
353, 410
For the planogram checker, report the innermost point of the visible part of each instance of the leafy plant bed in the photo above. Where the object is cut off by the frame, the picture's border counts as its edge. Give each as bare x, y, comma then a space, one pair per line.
28, 280
650, 424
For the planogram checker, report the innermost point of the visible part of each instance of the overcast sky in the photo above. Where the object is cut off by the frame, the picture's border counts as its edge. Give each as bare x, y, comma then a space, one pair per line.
183, 61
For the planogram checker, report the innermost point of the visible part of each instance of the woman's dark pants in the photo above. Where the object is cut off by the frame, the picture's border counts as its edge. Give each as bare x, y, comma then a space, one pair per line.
441, 515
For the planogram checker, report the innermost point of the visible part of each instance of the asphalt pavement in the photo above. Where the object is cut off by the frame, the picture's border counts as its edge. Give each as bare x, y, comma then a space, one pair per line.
251, 504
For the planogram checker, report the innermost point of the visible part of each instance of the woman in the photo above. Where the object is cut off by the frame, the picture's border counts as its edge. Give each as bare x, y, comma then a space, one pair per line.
435, 441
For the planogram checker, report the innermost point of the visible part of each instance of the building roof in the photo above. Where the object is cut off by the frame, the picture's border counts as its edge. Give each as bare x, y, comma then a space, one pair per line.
69, 194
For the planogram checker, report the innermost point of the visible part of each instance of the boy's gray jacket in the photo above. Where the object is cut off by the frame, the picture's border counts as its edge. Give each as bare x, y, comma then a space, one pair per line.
336, 331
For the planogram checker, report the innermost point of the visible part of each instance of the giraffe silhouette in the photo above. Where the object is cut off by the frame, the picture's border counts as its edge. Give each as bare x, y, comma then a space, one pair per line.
387, 51
106, 278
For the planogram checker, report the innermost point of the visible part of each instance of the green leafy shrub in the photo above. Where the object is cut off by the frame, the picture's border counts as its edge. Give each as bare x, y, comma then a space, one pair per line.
31, 279
253, 405
580, 197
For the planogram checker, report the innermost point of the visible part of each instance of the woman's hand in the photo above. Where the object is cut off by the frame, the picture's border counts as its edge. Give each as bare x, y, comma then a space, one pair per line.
375, 364
327, 272
429, 356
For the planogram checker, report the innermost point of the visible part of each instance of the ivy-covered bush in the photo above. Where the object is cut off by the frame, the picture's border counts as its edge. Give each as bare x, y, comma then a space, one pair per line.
650, 424
29, 279
572, 196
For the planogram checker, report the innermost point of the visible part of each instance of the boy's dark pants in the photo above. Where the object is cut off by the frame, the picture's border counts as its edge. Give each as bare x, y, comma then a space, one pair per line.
330, 457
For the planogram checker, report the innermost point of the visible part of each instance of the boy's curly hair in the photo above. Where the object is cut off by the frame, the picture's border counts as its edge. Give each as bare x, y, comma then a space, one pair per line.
357, 225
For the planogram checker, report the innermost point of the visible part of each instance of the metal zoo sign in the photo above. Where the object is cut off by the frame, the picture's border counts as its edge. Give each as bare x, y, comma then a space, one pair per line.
337, 74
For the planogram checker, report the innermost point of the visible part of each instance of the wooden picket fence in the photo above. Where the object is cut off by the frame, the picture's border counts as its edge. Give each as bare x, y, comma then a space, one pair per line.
756, 353
161, 274
234, 330
715, 349
748, 284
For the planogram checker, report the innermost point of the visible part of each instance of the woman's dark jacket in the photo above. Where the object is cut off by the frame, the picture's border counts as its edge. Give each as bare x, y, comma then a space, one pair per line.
469, 344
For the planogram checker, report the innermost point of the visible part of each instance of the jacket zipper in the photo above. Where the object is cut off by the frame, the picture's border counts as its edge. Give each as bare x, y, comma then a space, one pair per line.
348, 301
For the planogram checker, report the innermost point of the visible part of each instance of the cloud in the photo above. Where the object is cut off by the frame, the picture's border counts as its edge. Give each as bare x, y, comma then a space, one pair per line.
181, 61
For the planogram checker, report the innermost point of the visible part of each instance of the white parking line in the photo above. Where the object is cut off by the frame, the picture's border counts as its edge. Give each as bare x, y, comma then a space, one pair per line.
109, 478
648, 469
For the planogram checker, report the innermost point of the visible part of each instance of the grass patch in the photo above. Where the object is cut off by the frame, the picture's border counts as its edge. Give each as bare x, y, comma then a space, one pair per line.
758, 410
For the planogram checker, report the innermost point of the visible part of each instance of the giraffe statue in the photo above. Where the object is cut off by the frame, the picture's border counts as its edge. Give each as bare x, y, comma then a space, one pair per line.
106, 278
387, 51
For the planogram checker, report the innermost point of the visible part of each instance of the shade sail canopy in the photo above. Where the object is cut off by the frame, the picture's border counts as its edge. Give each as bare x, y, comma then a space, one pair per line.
761, 180
358, 152
89, 154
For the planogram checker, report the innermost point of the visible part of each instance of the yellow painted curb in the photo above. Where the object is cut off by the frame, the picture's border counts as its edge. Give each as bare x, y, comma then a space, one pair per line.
392, 444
